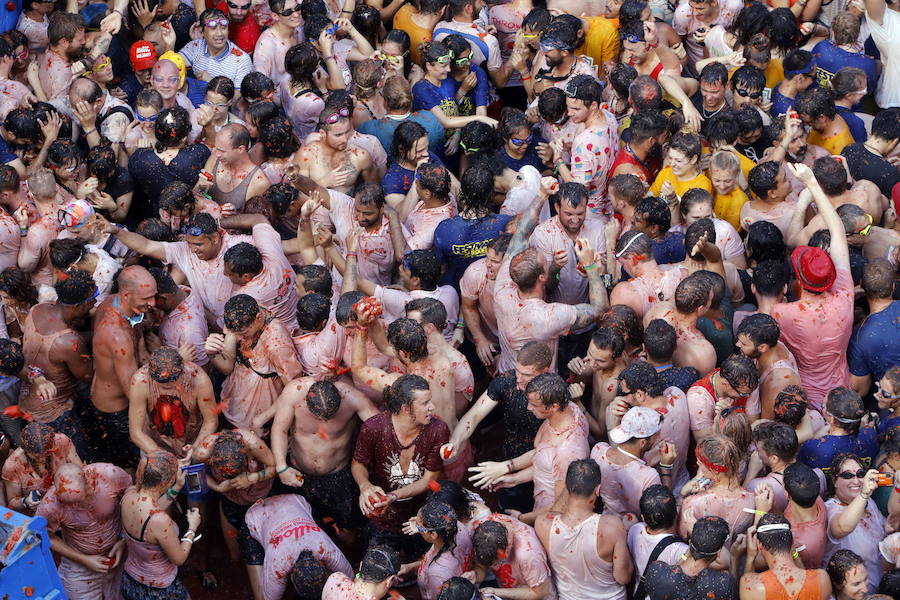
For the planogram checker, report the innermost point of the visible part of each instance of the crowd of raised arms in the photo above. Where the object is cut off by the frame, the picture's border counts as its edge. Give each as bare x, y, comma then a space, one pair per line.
453, 299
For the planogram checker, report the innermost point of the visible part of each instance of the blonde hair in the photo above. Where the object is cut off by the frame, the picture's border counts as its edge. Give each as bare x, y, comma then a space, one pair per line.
726, 161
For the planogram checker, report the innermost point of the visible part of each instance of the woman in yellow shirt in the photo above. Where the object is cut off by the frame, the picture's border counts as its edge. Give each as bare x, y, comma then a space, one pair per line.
729, 197
683, 172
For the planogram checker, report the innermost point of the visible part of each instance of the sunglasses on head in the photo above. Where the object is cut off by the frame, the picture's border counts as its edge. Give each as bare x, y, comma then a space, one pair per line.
851, 474
631, 38
101, 65
531, 36
864, 231
444, 59
337, 116
746, 94
193, 231
216, 23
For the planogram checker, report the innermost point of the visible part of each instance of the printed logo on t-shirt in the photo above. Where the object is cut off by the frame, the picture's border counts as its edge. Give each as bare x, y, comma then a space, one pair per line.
397, 477
295, 528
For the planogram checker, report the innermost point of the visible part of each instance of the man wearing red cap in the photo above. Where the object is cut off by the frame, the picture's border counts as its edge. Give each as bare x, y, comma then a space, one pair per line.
142, 57
817, 328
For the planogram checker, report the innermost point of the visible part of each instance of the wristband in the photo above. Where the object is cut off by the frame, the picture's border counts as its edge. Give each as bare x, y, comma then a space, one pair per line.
509, 466
461, 324
525, 78
589, 267
88, 132
34, 372
191, 540
349, 254
668, 467
280, 471
171, 494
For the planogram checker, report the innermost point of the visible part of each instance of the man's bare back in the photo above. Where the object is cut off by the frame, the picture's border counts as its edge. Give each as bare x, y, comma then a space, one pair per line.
692, 349
116, 349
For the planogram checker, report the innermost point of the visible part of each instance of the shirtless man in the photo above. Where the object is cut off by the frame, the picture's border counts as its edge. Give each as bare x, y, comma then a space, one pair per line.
603, 363
649, 284
34, 255
313, 430
236, 178
331, 161
53, 344
757, 338
171, 404
692, 299
600, 560
118, 348
83, 507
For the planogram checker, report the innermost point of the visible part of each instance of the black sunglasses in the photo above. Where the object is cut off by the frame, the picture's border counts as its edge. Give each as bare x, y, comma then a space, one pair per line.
238, 6
289, 11
850, 474
744, 93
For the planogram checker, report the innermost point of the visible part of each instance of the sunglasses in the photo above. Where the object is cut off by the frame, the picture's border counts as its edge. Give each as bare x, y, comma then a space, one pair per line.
850, 474
289, 11
745, 94
530, 36
884, 394
101, 65
864, 231
234, 6
147, 119
220, 105
522, 142
216, 23
467, 149
193, 231
332, 30
443, 59
392, 58
463, 60
335, 117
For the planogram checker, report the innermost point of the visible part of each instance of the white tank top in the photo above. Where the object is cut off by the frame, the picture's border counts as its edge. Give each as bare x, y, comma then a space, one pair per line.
578, 571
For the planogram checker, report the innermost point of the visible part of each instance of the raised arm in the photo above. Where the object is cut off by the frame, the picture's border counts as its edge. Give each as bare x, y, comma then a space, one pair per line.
840, 253
134, 241
529, 219
599, 301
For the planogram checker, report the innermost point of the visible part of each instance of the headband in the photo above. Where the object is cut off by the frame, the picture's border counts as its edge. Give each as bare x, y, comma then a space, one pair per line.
791, 72
694, 550
772, 527
708, 463
551, 42
848, 421
628, 245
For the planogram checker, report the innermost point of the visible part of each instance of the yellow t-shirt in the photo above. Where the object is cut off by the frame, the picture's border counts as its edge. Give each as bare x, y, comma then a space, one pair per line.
681, 186
601, 41
835, 143
417, 35
728, 206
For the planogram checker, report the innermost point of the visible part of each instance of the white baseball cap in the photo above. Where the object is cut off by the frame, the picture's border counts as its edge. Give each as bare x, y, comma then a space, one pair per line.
638, 422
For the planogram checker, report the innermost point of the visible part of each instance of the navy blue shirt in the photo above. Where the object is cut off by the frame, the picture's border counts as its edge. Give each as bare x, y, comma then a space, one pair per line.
459, 242
6, 154
680, 377
856, 125
670, 249
781, 103
426, 96
384, 129
196, 91
480, 95
875, 345
830, 59
399, 180
818, 453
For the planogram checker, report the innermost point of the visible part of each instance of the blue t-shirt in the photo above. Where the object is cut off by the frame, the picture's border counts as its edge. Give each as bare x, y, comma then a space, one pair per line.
426, 96
781, 103
6, 153
830, 59
196, 91
818, 453
398, 180
459, 242
670, 249
480, 95
875, 345
384, 129
530, 158
856, 125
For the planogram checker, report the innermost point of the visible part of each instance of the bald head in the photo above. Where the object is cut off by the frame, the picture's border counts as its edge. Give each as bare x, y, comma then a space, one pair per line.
137, 289
165, 68
84, 90
237, 135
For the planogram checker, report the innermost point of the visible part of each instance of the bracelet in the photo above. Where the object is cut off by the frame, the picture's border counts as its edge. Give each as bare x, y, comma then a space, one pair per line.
349, 254
558, 165
461, 323
328, 57
589, 267
280, 471
525, 78
88, 132
191, 540
171, 494
34, 372
344, 10
666, 467
509, 466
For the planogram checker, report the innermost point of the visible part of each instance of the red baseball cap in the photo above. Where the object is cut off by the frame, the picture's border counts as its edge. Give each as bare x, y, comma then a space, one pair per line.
813, 268
142, 55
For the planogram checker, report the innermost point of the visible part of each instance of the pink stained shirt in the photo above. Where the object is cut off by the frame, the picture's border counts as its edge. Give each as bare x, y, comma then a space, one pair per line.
274, 287
641, 543
423, 221
36, 32
475, 285
12, 93
284, 527
433, 573
462, 373
863, 540
321, 352
526, 564
375, 254
18, 470
675, 428
549, 237
811, 534
554, 451
817, 331
578, 570
704, 504
206, 277
40, 234
10, 240
186, 324
55, 75
593, 154
780, 215
95, 528
395, 301
685, 23
268, 56
565, 132
302, 109
248, 391
702, 406
621, 486
521, 320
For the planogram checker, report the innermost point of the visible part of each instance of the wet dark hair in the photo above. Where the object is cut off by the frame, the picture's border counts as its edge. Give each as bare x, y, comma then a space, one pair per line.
37, 438
476, 189
367, 20
511, 120
262, 112
655, 212
401, 392
775, 540
154, 229
777, 438
65, 252
281, 196
605, 338
224, 86
204, 222
343, 312
723, 127
401, 38
255, 86
23, 123
739, 371
647, 124
77, 287
301, 62
765, 242
784, 33
801, 484
159, 467
308, 576
244, 258
453, 494
570, 192
551, 389
177, 195
458, 44
490, 538
408, 336
432, 310
17, 283
405, 137
748, 119
815, 102
537, 19
434, 50
500, 244
164, 282
790, 405
659, 340
886, 124
314, 25
695, 231
370, 193
846, 406
761, 329
278, 138
889, 584
440, 518
172, 127
379, 564
551, 105
424, 265
12, 359
101, 162
323, 399
435, 178
229, 456
623, 318
658, 507
621, 77
309, 8
62, 152
312, 311
316, 278
840, 563
714, 72
707, 537
459, 588
692, 293
240, 311
9, 179
753, 18
582, 477
763, 178
831, 175
642, 376
563, 30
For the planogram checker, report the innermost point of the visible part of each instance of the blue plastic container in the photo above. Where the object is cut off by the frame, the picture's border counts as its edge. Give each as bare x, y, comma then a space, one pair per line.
27, 570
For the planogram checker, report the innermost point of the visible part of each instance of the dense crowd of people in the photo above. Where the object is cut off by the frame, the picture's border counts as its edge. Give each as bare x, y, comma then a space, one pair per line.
576, 299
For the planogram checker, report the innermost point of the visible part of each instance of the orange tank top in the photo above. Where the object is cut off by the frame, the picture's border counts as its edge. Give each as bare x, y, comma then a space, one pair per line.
37, 348
776, 591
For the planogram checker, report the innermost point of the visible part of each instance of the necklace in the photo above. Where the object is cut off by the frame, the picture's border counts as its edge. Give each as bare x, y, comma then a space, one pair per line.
629, 454
872, 150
